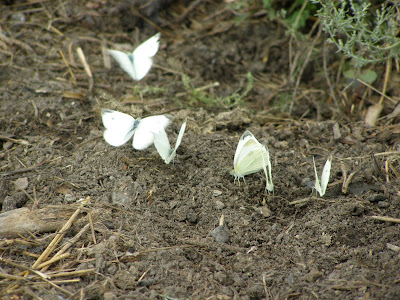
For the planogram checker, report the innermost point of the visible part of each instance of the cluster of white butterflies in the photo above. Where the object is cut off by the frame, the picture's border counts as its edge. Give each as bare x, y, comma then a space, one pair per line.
250, 157
121, 127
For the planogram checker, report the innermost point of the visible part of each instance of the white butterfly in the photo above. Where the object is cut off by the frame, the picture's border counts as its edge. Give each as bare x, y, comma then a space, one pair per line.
250, 157
267, 169
121, 127
163, 146
321, 188
138, 64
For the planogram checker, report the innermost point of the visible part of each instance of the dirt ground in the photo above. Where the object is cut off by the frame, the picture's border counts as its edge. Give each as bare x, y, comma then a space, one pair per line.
145, 231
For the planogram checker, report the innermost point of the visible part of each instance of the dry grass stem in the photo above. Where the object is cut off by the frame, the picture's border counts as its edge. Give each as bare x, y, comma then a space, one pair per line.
376, 90
92, 228
68, 67
86, 67
58, 237
46, 264
387, 74
386, 219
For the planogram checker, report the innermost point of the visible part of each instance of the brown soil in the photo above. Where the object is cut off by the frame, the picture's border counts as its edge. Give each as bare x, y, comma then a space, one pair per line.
150, 223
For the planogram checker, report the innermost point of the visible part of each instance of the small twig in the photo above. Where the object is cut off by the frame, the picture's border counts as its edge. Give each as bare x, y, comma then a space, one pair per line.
303, 67
17, 141
346, 183
135, 12
328, 81
386, 219
11, 263
72, 273
24, 169
25, 3
265, 286
68, 67
222, 220
344, 172
35, 108
375, 155
59, 236
92, 228
387, 73
46, 264
375, 90
36, 200
394, 170
387, 170
300, 201
86, 67
52, 28
168, 70
72, 241
76, 280
10, 41
57, 287
144, 274
26, 194
14, 277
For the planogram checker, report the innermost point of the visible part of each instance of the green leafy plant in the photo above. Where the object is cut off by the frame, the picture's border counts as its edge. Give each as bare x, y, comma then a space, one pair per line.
198, 96
359, 32
296, 16
293, 18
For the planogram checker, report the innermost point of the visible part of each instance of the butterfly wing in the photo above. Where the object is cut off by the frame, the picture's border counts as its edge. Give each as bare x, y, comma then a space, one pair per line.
149, 47
325, 175
180, 135
249, 155
267, 169
317, 186
252, 162
146, 129
125, 62
242, 151
142, 57
172, 152
119, 127
162, 144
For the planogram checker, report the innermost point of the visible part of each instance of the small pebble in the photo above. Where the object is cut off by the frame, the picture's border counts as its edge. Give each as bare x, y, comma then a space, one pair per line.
383, 204
219, 205
121, 198
304, 143
192, 217
377, 198
109, 296
217, 193
220, 234
69, 198
18, 17
265, 211
22, 183
7, 145
313, 275
281, 145
336, 132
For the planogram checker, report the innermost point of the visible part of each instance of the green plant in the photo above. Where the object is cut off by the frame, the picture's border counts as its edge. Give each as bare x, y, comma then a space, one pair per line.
296, 16
293, 18
243, 9
198, 96
359, 32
